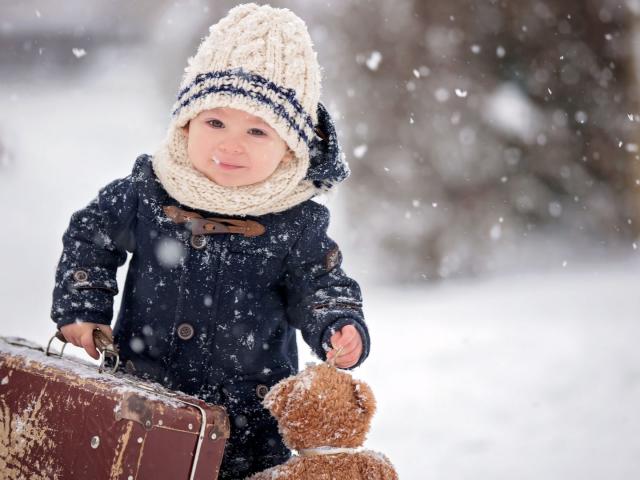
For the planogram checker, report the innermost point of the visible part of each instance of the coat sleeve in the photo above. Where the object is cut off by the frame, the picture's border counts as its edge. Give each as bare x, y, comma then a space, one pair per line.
94, 245
321, 298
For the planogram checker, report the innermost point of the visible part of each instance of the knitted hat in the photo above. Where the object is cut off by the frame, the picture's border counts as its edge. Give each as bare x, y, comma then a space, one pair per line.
258, 59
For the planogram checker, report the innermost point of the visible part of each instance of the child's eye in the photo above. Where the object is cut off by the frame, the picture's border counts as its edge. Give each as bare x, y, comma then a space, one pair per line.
214, 120
260, 132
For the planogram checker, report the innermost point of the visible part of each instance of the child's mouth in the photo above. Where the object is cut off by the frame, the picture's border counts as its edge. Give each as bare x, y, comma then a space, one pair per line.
226, 166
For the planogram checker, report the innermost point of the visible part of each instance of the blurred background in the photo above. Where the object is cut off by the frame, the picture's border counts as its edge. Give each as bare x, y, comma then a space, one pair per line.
492, 215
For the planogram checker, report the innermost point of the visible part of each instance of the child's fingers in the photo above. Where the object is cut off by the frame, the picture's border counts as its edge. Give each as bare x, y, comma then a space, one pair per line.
87, 343
353, 347
68, 332
71, 339
349, 330
352, 344
350, 341
345, 336
344, 353
349, 338
353, 352
347, 360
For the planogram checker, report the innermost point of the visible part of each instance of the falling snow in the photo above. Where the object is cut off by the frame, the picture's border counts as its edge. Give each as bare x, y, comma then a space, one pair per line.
373, 62
79, 52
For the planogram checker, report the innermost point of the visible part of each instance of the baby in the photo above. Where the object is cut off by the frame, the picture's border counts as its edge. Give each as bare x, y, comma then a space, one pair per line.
229, 253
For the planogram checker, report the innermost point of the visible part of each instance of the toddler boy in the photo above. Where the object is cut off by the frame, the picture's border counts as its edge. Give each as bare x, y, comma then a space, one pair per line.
229, 253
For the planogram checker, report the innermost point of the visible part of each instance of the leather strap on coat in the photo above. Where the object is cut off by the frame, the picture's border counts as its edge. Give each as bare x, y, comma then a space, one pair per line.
209, 226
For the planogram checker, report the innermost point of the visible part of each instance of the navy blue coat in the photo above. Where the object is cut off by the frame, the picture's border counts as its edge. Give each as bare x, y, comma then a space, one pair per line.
238, 300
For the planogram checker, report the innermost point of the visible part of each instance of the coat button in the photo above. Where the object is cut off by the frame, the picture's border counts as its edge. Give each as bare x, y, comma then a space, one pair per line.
80, 276
262, 390
198, 241
185, 331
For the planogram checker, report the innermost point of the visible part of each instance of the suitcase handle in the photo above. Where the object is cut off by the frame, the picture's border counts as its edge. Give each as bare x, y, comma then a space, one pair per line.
103, 342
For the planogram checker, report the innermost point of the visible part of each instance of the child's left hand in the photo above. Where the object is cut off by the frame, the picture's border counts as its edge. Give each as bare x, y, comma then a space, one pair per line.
348, 338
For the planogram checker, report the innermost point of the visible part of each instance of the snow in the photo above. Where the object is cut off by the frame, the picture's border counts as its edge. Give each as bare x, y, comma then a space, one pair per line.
441, 94
509, 110
170, 253
79, 52
359, 151
581, 117
530, 375
374, 59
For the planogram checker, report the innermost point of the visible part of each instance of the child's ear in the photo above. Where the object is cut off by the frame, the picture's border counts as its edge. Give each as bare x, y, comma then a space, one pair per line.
288, 156
185, 129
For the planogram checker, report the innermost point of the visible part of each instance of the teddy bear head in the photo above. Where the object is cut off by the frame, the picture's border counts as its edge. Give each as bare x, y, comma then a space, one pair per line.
321, 406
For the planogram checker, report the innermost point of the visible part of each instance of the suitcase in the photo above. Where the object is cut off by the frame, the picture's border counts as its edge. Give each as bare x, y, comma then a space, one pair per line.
63, 418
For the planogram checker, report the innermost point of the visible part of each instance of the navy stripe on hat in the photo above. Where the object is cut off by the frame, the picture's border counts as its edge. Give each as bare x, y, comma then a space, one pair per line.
188, 95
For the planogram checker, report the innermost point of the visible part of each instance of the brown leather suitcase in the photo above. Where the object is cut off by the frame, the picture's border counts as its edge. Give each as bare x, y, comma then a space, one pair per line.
63, 418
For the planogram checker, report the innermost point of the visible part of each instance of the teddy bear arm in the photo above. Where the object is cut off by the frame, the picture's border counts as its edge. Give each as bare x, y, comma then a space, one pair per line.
376, 467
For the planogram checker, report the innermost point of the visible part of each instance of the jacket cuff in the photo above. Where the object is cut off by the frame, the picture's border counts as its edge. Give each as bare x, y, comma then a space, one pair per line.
83, 294
90, 318
336, 326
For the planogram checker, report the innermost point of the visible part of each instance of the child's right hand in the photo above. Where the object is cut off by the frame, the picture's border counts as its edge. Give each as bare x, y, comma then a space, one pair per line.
81, 335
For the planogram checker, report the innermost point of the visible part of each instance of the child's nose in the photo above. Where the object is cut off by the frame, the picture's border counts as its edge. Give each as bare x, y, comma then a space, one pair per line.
230, 146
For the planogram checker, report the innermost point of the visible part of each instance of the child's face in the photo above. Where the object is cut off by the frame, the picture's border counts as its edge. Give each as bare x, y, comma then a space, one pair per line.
233, 148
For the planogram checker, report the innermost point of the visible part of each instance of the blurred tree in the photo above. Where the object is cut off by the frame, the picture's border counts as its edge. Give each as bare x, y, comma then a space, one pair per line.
478, 127
477, 131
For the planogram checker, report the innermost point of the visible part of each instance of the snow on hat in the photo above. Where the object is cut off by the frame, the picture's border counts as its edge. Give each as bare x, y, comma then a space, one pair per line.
261, 60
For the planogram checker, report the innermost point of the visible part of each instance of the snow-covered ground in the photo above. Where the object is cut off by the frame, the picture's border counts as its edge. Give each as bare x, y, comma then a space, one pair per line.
532, 376
528, 376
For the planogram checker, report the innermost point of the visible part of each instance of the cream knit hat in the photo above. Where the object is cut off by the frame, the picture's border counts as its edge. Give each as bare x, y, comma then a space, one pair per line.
258, 59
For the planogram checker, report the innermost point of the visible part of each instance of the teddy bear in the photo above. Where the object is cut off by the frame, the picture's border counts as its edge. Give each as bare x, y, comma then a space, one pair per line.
324, 415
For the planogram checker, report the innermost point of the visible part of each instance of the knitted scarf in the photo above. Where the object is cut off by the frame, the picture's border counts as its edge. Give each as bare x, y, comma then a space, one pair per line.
283, 189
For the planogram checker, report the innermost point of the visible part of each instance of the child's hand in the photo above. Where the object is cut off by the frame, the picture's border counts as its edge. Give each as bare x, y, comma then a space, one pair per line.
349, 339
81, 335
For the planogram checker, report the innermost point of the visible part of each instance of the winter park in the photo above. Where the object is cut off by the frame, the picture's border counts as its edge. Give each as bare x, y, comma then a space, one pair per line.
337, 239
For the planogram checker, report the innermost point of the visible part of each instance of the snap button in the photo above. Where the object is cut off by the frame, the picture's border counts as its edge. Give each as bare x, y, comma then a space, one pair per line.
262, 390
198, 241
185, 331
80, 276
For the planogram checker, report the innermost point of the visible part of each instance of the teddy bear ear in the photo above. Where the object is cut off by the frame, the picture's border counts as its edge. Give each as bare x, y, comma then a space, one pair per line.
364, 397
276, 399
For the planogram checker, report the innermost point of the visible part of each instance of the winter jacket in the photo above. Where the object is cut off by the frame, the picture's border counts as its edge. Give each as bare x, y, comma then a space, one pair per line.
217, 311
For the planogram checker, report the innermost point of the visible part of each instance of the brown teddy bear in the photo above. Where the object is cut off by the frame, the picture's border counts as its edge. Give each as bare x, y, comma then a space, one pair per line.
324, 414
